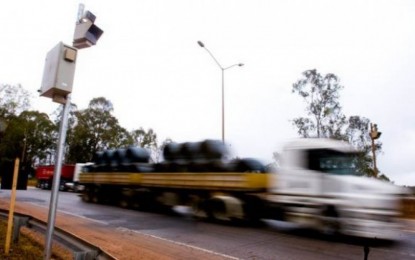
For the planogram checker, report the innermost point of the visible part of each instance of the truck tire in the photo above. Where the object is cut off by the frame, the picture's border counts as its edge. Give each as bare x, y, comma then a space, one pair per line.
108, 158
86, 194
118, 160
248, 165
98, 158
124, 202
330, 221
96, 195
191, 151
138, 155
215, 210
171, 152
62, 186
254, 210
213, 149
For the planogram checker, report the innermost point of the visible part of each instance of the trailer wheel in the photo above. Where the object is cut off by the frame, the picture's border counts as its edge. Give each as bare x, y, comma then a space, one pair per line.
62, 186
216, 210
124, 202
95, 195
86, 194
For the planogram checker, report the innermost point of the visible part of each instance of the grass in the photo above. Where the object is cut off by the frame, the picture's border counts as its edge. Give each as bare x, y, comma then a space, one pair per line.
29, 247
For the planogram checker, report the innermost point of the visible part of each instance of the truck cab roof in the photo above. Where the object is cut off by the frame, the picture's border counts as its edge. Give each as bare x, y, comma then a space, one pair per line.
320, 143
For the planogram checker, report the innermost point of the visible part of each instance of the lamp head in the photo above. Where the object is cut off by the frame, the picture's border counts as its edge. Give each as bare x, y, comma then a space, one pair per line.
200, 44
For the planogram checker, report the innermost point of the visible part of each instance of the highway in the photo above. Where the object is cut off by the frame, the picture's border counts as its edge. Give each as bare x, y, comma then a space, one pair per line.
273, 240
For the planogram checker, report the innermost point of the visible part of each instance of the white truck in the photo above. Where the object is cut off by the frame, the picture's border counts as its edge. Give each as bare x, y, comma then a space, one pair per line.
74, 184
317, 186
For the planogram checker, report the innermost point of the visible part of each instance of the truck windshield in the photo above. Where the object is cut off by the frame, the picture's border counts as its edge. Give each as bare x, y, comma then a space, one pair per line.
332, 162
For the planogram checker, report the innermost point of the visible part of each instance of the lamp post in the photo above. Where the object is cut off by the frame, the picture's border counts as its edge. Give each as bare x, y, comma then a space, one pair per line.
223, 84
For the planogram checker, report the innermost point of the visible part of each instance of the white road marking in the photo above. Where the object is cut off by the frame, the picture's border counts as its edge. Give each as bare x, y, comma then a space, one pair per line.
178, 243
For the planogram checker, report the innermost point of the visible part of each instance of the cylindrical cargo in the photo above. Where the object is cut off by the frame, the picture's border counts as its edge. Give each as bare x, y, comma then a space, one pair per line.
213, 149
191, 151
137, 155
171, 152
248, 165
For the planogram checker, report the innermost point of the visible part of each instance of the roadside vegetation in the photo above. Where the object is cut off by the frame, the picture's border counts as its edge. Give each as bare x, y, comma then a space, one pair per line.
26, 248
32, 135
29, 247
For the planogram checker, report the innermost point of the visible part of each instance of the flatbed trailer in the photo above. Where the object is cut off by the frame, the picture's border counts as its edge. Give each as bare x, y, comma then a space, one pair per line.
213, 195
247, 182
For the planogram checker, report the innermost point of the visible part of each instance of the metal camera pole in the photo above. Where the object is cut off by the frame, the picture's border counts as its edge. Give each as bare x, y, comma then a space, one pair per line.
56, 178
58, 167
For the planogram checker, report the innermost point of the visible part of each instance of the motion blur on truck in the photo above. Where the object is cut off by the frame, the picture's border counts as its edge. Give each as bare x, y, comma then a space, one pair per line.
317, 186
69, 180
44, 176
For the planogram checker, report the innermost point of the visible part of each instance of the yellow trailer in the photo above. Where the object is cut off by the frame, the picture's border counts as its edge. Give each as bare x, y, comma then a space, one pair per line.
214, 195
253, 182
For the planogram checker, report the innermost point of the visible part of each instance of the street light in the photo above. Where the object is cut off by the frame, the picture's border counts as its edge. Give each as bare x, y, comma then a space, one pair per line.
223, 85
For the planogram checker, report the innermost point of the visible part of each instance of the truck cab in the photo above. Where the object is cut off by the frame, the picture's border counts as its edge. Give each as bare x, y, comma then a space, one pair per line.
318, 186
74, 183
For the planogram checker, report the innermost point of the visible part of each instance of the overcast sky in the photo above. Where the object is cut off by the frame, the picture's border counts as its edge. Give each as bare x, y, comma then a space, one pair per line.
148, 64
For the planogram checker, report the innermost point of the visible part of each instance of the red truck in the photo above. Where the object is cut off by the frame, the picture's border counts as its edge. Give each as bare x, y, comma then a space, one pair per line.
44, 176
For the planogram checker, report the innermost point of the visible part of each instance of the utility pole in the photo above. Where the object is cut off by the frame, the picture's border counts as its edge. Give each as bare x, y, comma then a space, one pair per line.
374, 134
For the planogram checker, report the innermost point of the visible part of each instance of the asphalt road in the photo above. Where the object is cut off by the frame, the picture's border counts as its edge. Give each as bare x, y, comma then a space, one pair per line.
273, 240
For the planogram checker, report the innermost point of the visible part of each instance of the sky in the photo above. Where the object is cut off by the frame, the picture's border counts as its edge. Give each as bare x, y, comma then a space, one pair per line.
149, 65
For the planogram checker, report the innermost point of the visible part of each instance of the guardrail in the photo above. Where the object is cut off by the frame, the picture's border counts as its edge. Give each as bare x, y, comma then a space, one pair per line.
81, 249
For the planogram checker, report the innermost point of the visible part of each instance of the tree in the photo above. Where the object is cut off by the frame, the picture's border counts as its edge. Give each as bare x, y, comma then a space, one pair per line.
13, 100
31, 136
40, 137
145, 139
325, 117
95, 129
321, 95
148, 140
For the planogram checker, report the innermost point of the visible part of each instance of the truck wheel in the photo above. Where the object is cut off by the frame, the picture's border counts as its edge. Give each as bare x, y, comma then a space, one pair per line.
330, 221
124, 201
198, 208
95, 195
216, 210
253, 211
86, 195
62, 186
